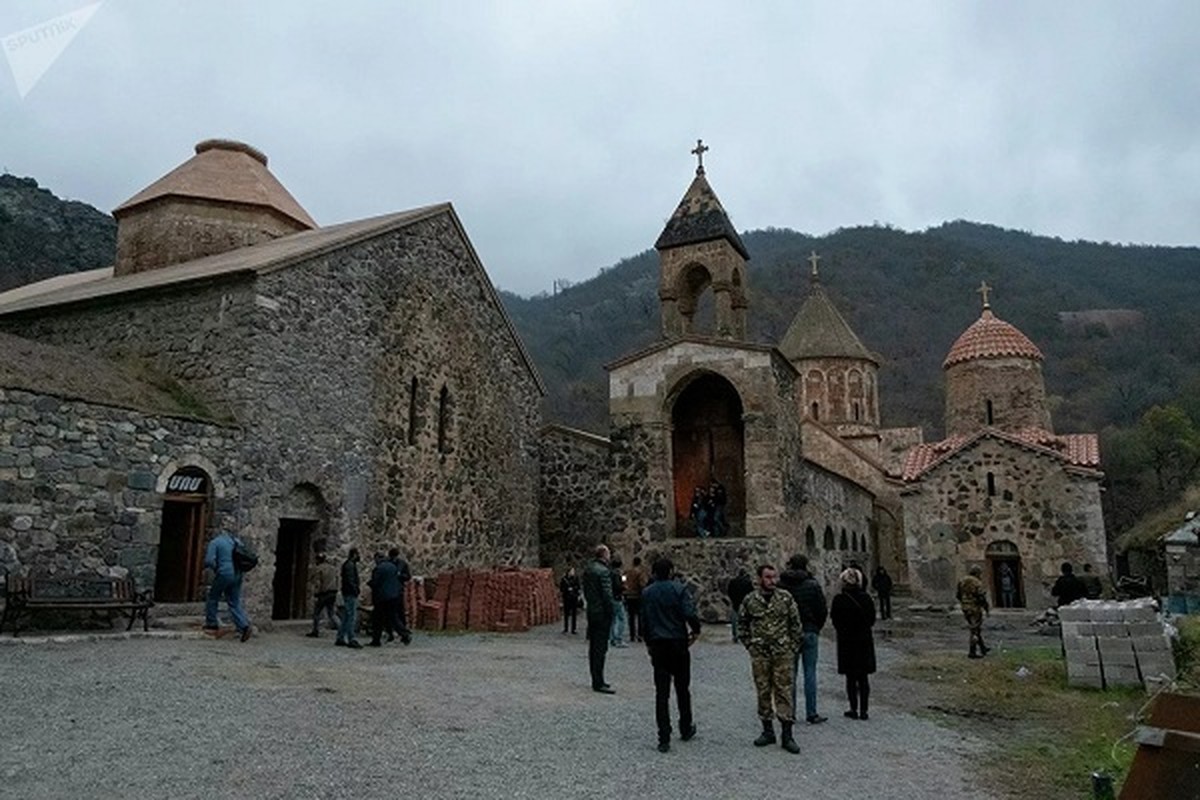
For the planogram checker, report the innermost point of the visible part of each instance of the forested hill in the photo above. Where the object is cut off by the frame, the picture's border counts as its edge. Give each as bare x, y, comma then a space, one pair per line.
908, 296
42, 236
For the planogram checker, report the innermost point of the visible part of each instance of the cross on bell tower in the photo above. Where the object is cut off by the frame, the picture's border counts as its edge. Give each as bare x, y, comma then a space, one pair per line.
813, 258
698, 151
983, 290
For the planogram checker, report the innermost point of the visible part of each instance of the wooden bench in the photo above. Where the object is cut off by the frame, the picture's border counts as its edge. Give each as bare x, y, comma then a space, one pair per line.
95, 594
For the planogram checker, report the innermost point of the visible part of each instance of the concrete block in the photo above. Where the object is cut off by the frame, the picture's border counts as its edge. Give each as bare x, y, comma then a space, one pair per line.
1151, 628
1109, 630
1139, 613
1151, 644
1077, 629
1114, 646
1118, 658
1086, 682
1073, 613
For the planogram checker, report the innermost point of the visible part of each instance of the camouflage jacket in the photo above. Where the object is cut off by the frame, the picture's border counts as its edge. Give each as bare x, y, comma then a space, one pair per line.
770, 626
972, 594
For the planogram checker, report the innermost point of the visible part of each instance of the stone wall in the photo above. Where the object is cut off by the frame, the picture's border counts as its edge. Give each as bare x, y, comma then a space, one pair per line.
318, 362
78, 484
1050, 512
574, 510
1013, 385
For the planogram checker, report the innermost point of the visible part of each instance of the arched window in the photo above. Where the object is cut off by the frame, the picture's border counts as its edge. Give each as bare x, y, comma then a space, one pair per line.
991, 484
991, 418
844, 543
443, 442
810, 538
829, 543
815, 412
857, 414
412, 411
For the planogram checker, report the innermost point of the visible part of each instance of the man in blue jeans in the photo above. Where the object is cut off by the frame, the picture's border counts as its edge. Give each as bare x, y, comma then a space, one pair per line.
350, 588
813, 612
226, 583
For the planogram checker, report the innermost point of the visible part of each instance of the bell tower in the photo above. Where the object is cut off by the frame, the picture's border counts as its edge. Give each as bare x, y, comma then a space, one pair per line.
700, 249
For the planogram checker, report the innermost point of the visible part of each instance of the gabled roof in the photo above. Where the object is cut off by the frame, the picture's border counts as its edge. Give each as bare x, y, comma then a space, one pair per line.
223, 171
1074, 449
699, 218
281, 253
819, 331
991, 337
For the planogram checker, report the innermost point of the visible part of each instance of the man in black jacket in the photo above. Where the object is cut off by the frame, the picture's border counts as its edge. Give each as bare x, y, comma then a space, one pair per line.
810, 599
669, 626
350, 589
598, 597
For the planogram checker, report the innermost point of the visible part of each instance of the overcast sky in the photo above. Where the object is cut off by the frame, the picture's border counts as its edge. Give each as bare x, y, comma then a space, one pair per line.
561, 130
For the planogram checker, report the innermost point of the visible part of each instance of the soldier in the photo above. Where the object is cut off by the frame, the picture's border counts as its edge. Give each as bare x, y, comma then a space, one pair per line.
769, 626
973, 598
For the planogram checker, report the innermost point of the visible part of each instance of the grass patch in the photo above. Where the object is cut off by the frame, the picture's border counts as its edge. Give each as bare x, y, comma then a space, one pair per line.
1187, 651
1047, 737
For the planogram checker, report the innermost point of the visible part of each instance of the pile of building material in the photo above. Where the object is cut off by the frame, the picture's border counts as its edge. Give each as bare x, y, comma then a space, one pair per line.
478, 600
1116, 643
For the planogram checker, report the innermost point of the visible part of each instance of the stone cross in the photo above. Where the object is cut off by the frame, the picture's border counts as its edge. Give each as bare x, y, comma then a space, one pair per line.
983, 290
813, 258
699, 152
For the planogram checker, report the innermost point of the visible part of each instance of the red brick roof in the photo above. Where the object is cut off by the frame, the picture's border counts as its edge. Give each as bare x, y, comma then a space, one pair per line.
991, 337
1074, 449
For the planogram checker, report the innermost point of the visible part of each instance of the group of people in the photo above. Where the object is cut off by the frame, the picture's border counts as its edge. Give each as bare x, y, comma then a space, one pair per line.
627, 586
708, 510
387, 580
779, 621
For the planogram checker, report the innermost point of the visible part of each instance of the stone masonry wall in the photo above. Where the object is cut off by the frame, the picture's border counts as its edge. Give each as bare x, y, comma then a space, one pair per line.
574, 509
1050, 513
78, 484
1014, 385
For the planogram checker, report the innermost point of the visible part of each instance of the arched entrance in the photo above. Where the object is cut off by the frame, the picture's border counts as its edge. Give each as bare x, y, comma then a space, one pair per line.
708, 443
1004, 567
179, 575
301, 526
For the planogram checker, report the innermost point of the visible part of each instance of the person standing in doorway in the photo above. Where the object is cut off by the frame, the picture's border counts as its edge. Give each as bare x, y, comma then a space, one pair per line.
699, 512
635, 582
719, 499
974, 601
568, 589
669, 626
769, 627
881, 582
350, 589
853, 616
598, 597
810, 601
323, 580
1008, 586
226, 584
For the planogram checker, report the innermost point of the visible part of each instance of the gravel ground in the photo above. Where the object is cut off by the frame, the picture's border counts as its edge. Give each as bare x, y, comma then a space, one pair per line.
473, 715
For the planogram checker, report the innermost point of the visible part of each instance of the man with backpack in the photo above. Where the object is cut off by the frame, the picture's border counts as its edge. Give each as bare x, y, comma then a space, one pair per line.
229, 559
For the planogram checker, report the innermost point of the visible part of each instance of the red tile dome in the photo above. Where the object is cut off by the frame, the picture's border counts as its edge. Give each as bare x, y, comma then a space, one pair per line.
990, 337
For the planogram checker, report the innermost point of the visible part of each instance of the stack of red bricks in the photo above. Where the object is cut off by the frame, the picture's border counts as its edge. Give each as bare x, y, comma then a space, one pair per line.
501, 600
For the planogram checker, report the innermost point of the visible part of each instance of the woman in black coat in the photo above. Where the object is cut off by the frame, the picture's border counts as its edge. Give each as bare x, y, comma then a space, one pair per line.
853, 615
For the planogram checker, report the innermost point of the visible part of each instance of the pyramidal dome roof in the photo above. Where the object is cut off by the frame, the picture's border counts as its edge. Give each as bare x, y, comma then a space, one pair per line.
699, 218
819, 331
223, 171
991, 337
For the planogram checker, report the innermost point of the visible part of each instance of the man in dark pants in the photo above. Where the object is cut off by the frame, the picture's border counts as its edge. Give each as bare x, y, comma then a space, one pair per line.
881, 582
350, 588
635, 582
810, 602
386, 588
601, 605
667, 614
399, 619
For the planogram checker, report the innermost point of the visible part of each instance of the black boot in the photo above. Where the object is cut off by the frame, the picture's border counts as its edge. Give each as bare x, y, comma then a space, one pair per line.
974, 651
767, 736
786, 740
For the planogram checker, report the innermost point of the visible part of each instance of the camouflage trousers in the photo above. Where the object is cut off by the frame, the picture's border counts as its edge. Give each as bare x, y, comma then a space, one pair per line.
974, 617
773, 682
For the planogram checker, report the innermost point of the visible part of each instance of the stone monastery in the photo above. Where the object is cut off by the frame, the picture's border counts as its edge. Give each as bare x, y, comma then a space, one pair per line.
241, 367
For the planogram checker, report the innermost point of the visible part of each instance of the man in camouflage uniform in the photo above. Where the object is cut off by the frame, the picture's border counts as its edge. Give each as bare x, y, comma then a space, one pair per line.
973, 598
769, 627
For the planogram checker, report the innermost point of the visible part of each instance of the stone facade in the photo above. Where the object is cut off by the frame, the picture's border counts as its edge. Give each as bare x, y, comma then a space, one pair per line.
81, 484
382, 395
996, 491
575, 511
1007, 393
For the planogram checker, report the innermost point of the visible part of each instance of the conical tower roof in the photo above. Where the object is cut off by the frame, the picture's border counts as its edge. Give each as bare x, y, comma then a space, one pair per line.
699, 218
224, 171
819, 331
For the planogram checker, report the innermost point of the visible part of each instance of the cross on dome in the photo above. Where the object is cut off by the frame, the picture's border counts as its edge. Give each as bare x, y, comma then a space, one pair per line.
813, 258
983, 290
